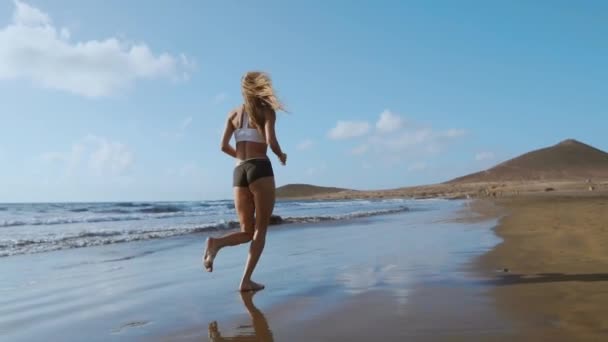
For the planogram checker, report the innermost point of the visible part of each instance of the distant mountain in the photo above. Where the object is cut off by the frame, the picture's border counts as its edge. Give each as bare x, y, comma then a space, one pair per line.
304, 190
568, 160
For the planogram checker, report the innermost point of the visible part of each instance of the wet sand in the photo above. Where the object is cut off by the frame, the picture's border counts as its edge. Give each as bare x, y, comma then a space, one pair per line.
556, 251
547, 281
385, 278
434, 274
395, 280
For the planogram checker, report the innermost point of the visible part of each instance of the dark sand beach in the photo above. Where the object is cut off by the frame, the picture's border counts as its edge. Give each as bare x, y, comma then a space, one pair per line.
410, 283
546, 281
439, 273
556, 251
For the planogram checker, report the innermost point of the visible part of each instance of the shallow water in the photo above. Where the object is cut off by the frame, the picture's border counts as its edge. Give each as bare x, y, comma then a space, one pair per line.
157, 289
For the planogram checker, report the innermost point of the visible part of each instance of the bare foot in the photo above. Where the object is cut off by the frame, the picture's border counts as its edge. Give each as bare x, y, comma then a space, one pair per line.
250, 286
209, 255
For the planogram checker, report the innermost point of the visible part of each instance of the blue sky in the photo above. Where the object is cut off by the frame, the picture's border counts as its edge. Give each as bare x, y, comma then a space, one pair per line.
114, 100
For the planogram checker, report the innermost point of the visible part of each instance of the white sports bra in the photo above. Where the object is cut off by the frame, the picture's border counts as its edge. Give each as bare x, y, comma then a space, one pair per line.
245, 133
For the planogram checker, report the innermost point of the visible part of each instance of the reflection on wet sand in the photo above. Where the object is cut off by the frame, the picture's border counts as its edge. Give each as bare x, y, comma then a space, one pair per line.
260, 333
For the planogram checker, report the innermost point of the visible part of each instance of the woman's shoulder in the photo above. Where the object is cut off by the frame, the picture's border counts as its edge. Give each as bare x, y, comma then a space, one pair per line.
236, 110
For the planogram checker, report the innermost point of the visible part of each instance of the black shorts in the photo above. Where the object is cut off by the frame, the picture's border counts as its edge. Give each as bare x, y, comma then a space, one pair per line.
251, 170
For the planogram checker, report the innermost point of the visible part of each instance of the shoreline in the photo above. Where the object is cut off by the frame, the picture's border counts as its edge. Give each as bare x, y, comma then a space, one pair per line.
383, 300
549, 273
468, 190
85, 239
332, 281
157, 290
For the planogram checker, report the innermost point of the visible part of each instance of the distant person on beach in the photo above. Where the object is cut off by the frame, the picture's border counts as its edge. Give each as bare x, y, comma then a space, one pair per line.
253, 127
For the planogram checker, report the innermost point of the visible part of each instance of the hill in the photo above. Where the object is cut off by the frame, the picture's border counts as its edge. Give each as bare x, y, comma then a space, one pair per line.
568, 160
304, 190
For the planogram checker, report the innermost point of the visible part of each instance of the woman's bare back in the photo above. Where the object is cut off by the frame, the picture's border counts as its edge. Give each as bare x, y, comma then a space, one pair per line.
246, 149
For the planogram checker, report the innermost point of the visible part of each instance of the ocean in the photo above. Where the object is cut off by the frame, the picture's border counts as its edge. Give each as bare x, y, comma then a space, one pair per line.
27, 228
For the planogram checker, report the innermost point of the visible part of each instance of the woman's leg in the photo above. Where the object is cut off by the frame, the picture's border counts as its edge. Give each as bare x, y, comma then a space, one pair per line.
243, 203
263, 191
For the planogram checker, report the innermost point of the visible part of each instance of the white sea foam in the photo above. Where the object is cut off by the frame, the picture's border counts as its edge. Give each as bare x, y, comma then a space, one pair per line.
94, 237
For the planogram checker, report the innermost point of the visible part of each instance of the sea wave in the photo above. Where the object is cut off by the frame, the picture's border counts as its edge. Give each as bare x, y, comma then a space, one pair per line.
327, 203
159, 209
69, 214
106, 237
130, 204
353, 215
113, 211
95, 219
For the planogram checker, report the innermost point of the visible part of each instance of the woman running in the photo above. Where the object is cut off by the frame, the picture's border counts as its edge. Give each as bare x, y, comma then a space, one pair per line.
253, 127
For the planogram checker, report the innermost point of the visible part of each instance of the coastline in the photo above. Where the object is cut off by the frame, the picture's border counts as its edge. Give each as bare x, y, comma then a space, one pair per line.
391, 296
382, 277
409, 278
84, 225
466, 190
549, 275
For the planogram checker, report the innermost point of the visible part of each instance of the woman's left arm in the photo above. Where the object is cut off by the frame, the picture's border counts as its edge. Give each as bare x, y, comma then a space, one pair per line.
225, 144
271, 136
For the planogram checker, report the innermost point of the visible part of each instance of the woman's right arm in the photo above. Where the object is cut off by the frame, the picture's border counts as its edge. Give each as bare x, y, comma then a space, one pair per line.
225, 144
271, 137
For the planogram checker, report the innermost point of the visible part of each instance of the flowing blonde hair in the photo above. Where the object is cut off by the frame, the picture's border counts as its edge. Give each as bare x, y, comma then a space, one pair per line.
259, 97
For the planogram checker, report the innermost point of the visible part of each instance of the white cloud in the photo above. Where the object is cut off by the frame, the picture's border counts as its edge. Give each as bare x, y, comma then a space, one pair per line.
484, 156
389, 122
26, 15
220, 98
417, 166
349, 129
32, 48
99, 155
394, 142
361, 149
305, 145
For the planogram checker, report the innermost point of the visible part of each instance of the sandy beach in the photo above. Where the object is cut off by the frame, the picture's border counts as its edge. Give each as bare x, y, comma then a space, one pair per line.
409, 281
436, 273
545, 282
556, 251
487, 190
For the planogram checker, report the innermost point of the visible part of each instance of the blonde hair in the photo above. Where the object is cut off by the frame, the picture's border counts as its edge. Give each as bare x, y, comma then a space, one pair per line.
259, 97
